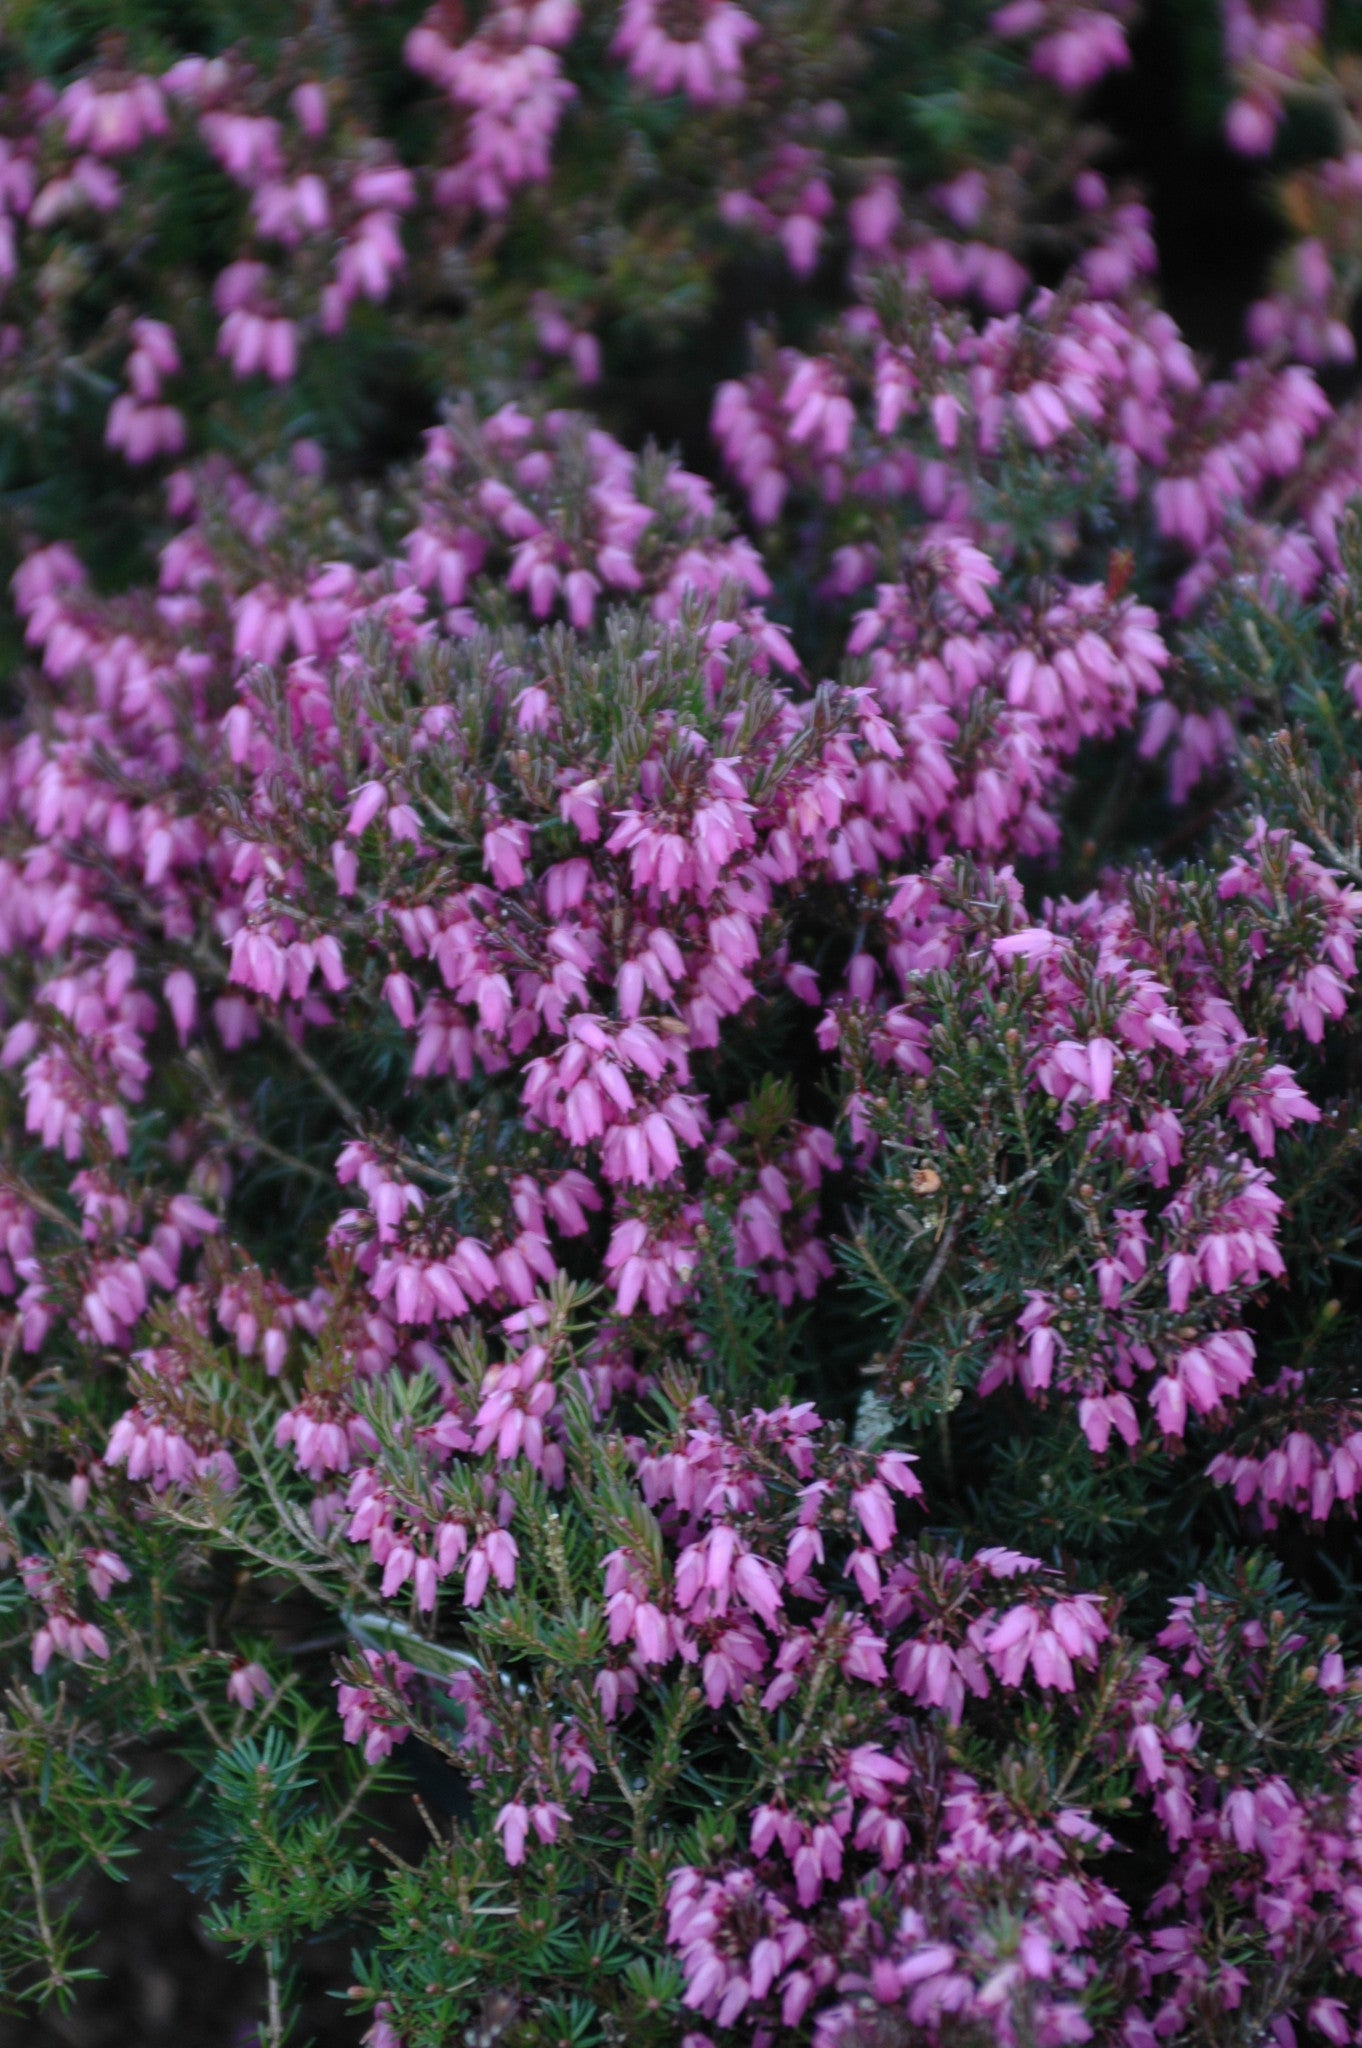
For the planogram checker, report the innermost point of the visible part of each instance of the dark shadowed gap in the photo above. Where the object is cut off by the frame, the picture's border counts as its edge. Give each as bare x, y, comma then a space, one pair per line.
1215, 222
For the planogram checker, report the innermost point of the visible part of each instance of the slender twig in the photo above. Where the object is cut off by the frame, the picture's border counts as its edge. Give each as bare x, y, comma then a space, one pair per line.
11, 1346
925, 1292
45, 1931
361, 1787
317, 1072
34, 1200
419, 1803
247, 1139
275, 2037
297, 1522
203, 1525
400, 1863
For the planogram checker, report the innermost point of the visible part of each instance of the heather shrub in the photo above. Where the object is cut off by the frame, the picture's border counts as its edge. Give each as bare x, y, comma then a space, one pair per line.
678, 1172
247, 228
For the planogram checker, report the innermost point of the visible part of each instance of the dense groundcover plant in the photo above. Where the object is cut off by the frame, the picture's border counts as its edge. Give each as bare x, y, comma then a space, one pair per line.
679, 1167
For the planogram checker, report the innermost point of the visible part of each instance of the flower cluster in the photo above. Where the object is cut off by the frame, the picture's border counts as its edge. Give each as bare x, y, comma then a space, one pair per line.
1055, 1030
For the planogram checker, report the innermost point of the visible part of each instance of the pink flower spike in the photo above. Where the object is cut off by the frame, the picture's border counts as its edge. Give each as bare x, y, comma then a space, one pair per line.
368, 802
513, 1825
